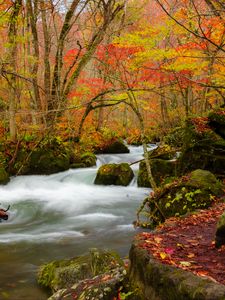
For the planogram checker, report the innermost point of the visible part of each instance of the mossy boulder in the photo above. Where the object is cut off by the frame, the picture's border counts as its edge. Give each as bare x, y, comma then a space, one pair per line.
161, 169
4, 176
46, 162
176, 137
203, 148
195, 191
89, 159
49, 156
134, 139
62, 274
217, 121
104, 286
82, 160
220, 231
114, 146
163, 151
114, 174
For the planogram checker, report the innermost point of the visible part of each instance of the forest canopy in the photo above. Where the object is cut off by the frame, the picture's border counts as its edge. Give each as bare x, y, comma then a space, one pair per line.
70, 65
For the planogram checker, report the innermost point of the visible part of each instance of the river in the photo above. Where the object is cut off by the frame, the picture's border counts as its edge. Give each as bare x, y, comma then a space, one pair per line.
60, 216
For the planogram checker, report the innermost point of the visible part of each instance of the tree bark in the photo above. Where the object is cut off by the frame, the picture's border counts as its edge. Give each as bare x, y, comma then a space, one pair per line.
12, 34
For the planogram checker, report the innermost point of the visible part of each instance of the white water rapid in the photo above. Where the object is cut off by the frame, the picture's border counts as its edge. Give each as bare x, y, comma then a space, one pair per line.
62, 215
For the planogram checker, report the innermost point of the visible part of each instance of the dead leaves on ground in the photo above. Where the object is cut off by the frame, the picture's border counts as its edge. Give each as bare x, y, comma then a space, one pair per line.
188, 243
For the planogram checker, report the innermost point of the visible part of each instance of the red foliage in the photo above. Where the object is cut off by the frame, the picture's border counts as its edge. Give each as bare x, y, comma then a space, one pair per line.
201, 124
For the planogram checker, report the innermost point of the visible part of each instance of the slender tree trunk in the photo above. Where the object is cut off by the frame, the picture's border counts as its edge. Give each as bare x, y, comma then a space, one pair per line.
100, 119
33, 15
12, 34
134, 105
47, 47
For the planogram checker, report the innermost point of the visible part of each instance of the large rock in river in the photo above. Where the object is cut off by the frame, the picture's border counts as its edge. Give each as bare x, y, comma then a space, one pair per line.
114, 174
86, 159
115, 146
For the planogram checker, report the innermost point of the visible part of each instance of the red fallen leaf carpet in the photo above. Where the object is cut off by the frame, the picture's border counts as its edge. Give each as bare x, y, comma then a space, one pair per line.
188, 243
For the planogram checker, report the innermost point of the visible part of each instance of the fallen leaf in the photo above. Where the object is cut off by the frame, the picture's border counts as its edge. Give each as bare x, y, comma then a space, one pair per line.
169, 251
163, 255
191, 255
158, 240
185, 263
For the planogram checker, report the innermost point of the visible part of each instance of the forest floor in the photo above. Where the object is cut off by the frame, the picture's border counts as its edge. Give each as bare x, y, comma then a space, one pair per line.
189, 243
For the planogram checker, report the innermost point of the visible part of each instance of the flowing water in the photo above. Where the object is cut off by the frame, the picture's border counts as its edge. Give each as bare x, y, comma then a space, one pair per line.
61, 216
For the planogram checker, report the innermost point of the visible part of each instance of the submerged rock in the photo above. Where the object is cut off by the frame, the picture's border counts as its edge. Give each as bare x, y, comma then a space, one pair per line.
220, 231
116, 174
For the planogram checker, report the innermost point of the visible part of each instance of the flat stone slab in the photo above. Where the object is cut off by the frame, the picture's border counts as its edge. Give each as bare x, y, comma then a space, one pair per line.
158, 281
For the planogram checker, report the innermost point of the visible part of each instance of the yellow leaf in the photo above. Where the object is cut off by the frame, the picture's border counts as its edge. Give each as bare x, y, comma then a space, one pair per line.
163, 255
158, 240
191, 255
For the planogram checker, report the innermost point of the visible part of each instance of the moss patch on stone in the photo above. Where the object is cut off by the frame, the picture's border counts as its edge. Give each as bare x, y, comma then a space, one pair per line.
203, 148
161, 169
4, 176
195, 191
217, 121
115, 146
114, 174
220, 231
62, 274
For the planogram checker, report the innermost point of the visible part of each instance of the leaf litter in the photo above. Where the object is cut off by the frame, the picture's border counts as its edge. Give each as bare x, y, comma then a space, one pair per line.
188, 243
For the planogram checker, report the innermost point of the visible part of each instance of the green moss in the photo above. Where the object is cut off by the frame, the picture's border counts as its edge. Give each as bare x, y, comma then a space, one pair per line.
196, 191
77, 165
45, 161
217, 116
89, 159
161, 169
206, 181
116, 146
217, 122
62, 274
176, 137
116, 174
163, 151
4, 176
204, 145
220, 231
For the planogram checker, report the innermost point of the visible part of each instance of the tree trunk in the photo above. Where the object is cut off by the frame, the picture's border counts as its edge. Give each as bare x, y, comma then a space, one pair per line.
12, 34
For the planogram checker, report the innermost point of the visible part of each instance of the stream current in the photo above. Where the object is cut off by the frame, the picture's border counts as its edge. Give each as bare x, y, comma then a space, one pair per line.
61, 216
